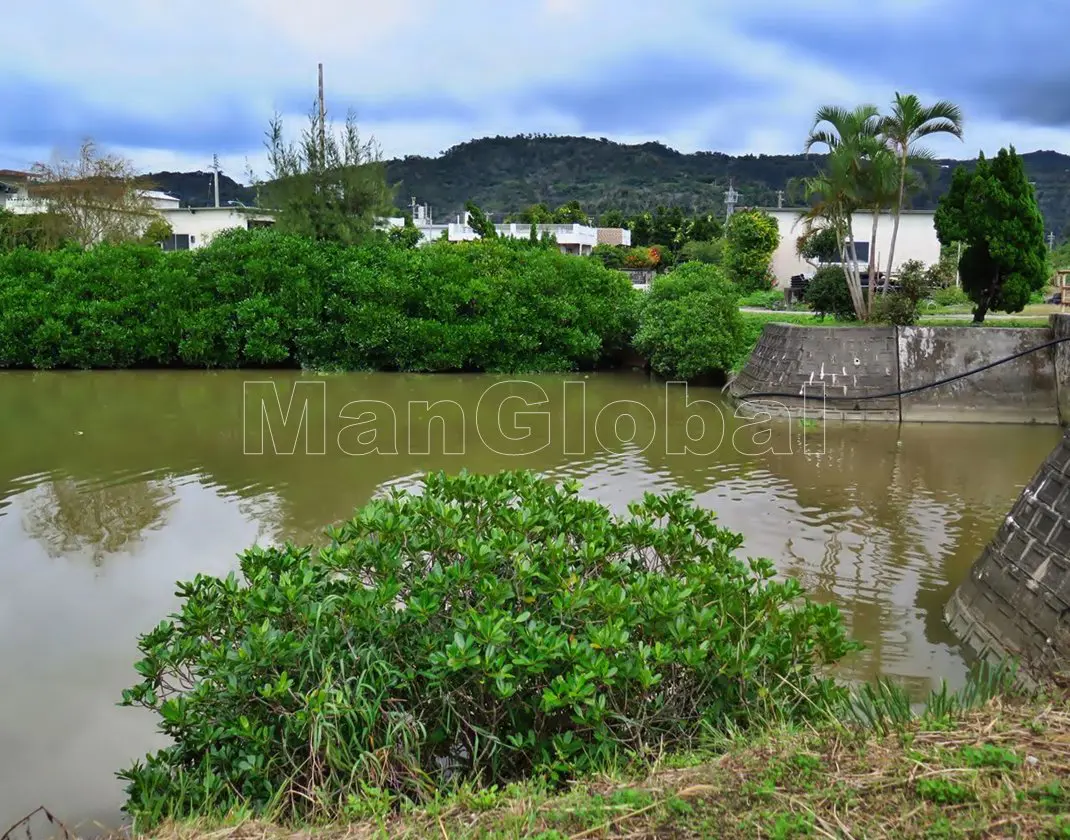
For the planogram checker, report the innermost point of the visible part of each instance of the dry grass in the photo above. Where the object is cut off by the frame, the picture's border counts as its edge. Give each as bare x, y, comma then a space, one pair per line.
1003, 771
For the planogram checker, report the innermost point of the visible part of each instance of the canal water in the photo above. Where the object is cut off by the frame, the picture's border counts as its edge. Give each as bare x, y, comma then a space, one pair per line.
115, 485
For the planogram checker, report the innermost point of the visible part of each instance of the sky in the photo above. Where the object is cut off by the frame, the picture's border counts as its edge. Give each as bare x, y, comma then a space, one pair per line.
168, 85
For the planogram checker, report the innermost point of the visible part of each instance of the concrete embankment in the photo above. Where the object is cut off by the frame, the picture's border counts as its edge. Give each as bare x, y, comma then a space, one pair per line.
861, 373
1016, 601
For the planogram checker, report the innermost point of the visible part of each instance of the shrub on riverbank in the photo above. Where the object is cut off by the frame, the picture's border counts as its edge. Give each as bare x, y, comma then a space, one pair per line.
488, 629
264, 298
690, 324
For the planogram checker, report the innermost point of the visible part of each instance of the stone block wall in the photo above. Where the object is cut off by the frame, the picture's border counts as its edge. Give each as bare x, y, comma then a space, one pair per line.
836, 361
1016, 601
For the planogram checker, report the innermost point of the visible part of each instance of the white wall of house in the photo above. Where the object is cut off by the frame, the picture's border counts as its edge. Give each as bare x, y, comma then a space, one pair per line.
916, 240
203, 223
20, 201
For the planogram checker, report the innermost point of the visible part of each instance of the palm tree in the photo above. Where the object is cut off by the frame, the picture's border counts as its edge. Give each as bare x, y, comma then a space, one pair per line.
832, 197
863, 177
901, 130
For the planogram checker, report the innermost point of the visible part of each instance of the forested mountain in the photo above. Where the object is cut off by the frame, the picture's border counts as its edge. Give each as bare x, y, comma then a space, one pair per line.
196, 188
506, 174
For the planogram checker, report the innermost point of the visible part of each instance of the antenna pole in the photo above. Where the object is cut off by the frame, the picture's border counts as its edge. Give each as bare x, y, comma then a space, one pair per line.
323, 121
730, 199
215, 177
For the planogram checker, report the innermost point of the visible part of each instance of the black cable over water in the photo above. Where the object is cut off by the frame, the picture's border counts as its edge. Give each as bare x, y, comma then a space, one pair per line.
904, 391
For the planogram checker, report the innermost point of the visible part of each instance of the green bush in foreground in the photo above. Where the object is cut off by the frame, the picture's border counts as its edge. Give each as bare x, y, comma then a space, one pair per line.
689, 324
489, 628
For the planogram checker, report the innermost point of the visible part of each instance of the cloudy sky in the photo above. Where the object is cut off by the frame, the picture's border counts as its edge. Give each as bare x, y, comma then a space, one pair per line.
169, 84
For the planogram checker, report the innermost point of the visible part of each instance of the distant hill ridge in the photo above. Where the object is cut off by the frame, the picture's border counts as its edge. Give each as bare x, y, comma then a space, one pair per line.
505, 174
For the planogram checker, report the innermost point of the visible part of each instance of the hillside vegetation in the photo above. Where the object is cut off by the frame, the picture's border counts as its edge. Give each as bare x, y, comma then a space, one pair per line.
506, 174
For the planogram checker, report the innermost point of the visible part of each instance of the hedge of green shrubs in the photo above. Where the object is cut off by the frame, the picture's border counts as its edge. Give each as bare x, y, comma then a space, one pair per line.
263, 298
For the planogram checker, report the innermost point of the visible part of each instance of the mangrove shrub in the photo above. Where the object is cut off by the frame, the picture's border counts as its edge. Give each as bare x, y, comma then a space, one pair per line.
266, 298
484, 629
689, 324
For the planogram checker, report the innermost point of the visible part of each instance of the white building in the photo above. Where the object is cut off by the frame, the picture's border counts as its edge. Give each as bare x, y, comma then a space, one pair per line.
916, 240
194, 227
571, 238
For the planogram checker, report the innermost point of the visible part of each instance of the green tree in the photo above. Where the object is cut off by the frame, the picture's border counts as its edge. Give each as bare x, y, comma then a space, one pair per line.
751, 237
570, 214
855, 178
328, 185
903, 129
611, 256
818, 245
704, 228
98, 196
710, 252
828, 294
406, 236
535, 214
159, 230
36, 231
642, 230
478, 221
612, 219
993, 211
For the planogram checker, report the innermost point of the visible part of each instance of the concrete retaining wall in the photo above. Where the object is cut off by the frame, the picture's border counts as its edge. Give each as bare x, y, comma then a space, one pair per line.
863, 361
1019, 391
1016, 602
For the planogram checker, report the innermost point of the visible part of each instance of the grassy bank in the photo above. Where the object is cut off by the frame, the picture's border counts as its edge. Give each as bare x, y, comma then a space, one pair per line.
1000, 771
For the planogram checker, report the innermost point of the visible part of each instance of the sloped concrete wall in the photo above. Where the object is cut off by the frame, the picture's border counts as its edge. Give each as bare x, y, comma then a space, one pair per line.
836, 361
1016, 601
1019, 391
865, 361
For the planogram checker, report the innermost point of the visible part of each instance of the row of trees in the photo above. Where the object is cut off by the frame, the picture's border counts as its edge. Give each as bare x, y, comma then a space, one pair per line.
744, 250
876, 161
666, 227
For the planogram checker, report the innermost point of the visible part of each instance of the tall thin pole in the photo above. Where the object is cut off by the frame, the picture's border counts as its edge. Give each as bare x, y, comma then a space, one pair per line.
323, 121
215, 177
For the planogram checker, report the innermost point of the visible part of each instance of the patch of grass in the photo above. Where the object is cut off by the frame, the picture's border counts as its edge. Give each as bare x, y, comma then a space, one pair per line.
1002, 769
1024, 322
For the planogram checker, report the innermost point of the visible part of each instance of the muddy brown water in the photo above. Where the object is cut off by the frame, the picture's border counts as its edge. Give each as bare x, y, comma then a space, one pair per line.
115, 485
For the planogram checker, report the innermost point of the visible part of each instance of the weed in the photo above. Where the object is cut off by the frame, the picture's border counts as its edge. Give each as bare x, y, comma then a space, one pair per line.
943, 791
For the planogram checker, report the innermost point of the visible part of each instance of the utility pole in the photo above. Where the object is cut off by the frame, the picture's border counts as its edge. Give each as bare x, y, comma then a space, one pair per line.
323, 121
215, 177
730, 199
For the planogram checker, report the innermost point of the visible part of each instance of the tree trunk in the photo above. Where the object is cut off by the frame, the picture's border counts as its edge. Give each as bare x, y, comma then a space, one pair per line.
873, 257
895, 224
855, 281
982, 308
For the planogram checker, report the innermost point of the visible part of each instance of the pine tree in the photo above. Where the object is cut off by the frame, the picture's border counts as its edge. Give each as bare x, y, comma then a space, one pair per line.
993, 211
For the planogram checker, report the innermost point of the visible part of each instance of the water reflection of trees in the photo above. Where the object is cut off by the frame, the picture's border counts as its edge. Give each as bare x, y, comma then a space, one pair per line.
68, 517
